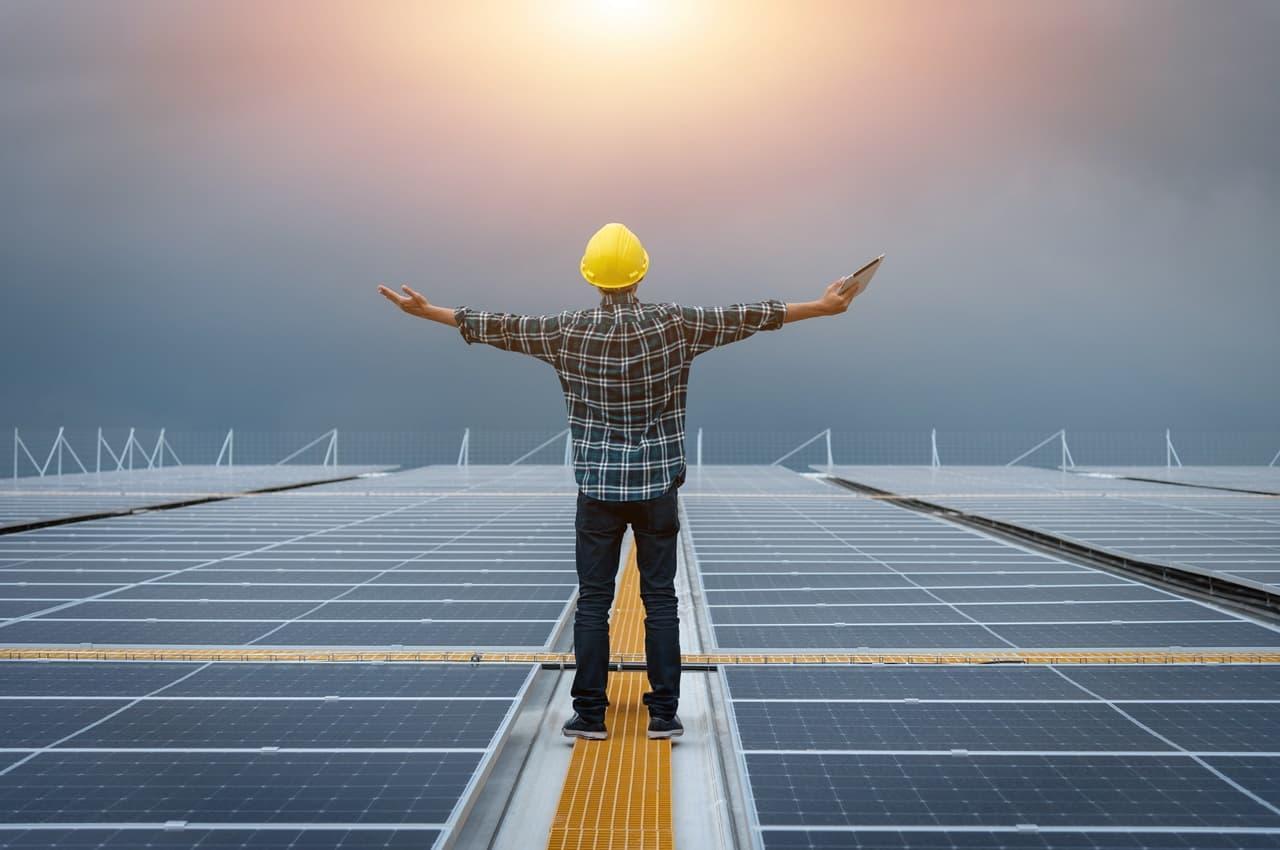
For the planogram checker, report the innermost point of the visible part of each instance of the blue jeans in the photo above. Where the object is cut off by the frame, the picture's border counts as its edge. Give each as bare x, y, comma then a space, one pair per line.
600, 526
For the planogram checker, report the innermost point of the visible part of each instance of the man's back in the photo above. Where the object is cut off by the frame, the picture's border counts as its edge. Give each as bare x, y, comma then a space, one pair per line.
624, 369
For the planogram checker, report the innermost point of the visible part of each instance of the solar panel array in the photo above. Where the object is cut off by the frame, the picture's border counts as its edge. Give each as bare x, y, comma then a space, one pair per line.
751, 481
335, 755
37, 499
1256, 479
450, 569
1230, 536
844, 573
1080, 756
491, 479
244, 755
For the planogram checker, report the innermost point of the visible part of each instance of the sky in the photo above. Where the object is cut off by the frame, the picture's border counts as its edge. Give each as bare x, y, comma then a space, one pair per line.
1080, 204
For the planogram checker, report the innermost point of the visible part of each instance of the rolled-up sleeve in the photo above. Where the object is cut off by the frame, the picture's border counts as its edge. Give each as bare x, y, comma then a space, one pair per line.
537, 336
706, 328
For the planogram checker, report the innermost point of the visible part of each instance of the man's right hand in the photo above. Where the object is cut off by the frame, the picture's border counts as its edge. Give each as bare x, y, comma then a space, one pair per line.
411, 302
415, 304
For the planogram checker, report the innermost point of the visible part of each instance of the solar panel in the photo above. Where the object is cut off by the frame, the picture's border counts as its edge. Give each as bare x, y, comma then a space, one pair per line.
781, 573
1035, 756
1017, 839
39, 499
1254, 479
221, 838
222, 753
329, 754
458, 569
750, 481
475, 478
1229, 536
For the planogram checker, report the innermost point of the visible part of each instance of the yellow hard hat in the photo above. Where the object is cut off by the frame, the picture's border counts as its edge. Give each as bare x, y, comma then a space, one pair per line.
614, 258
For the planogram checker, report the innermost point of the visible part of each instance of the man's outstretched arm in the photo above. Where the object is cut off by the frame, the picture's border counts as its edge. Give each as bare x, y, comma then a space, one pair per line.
415, 304
711, 327
832, 303
537, 336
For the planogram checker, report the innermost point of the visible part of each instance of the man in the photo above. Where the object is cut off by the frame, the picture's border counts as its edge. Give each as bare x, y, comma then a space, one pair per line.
624, 369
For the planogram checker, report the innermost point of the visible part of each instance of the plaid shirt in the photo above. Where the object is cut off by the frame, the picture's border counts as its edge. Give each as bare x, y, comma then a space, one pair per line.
624, 368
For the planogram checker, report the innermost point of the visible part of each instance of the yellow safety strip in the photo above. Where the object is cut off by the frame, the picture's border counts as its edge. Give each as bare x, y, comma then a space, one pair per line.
617, 793
711, 659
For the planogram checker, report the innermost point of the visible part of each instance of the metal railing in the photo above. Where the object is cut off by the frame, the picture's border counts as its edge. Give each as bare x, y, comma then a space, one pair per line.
62, 450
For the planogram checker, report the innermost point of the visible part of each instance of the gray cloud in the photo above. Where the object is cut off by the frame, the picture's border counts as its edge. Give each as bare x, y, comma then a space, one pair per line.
1080, 205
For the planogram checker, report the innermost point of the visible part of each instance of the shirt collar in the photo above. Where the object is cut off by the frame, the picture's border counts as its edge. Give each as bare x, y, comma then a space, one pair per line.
610, 297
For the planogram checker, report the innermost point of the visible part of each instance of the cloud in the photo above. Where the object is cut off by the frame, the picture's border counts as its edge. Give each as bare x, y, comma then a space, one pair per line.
1078, 203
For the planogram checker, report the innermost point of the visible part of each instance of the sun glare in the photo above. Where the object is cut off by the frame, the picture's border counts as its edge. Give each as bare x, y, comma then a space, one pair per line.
626, 11
636, 21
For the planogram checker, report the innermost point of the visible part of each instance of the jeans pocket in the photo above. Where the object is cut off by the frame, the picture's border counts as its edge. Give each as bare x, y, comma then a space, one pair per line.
663, 514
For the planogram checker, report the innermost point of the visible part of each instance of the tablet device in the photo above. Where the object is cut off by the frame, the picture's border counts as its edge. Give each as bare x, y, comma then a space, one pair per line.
862, 277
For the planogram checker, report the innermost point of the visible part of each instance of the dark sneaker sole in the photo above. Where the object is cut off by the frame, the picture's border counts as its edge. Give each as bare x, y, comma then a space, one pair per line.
591, 736
657, 736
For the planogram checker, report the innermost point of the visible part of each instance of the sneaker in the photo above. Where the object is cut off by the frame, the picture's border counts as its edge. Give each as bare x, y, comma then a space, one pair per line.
665, 727
577, 727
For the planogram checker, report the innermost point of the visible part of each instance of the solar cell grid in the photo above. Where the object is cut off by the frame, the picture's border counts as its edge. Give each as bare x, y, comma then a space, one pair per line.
912, 790
738, 480
475, 478
326, 569
1241, 634
1034, 727
1179, 682
116, 748
1254, 478
38, 499
218, 839
926, 756
859, 638
284, 679
293, 722
853, 573
1233, 726
39, 723
441, 558
1235, 536
1012, 839
901, 682
52, 678
386, 788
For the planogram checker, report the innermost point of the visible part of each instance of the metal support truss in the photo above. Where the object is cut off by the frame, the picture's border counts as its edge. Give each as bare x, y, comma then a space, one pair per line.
540, 446
464, 450
228, 449
824, 434
1067, 462
1171, 458
60, 445
330, 451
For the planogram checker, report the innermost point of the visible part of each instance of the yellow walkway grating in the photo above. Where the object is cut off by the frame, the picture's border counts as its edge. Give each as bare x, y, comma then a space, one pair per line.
617, 793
